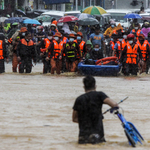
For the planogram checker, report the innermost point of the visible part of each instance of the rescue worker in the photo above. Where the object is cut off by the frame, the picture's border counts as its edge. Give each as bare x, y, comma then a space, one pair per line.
23, 32
112, 43
54, 21
65, 40
130, 56
82, 45
124, 41
53, 28
55, 50
14, 58
44, 45
3, 53
25, 53
40, 35
136, 30
71, 50
145, 50
118, 46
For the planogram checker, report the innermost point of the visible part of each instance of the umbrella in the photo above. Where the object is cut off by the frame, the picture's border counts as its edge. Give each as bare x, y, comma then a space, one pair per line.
88, 21
132, 15
18, 11
67, 19
2, 19
13, 19
45, 18
84, 15
94, 10
31, 21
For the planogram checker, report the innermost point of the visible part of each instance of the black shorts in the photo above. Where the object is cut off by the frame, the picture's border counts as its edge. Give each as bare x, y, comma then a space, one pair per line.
92, 139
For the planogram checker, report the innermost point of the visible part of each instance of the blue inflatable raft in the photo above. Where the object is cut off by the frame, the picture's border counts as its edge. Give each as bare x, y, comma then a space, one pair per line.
98, 70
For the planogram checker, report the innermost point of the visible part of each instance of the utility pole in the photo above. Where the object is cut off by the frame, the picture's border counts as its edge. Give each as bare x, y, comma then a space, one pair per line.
76, 5
16, 4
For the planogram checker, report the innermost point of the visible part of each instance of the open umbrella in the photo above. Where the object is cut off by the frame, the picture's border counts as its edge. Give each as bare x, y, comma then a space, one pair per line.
20, 12
84, 15
31, 21
67, 19
88, 21
2, 19
132, 15
94, 10
13, 19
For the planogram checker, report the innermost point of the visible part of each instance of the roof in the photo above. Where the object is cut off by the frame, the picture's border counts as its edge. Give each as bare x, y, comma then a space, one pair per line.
118, 11
54, 13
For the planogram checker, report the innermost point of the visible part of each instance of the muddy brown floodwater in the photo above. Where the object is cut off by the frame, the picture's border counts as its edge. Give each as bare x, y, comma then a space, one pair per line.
36, 110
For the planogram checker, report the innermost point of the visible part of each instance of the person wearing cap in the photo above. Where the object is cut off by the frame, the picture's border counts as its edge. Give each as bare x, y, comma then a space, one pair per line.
144, 47
118, 46
82, 45
3, 53
25, 53
71, 51
89, 49
13, 30
130, 56
136, 30
44, 45
55, 51
22, 33
53, 28
146, 28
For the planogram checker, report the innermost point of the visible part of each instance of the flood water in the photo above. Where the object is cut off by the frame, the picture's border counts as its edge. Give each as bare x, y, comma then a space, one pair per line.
36, 110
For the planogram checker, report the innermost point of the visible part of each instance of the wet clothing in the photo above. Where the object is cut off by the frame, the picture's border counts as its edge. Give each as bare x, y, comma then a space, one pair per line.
55, 49
3, 55
43, 47
26, 51
95, 55
130, 59
97, 39
89, 109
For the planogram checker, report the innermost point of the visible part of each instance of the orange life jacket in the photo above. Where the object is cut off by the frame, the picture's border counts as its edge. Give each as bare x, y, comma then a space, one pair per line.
123, 44
112, 45
137, 33
65, 40
55, 30
81, 46
1, 49
132, 54
57, 49
24, 42
143, 48
119, 49
47, 43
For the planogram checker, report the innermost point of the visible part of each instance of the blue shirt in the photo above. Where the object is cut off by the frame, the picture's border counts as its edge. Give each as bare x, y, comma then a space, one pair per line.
97, 39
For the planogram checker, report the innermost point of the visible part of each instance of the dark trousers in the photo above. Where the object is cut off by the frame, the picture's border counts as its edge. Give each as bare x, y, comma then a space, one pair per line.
130, 69
46, 65
25, 64
2, 67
